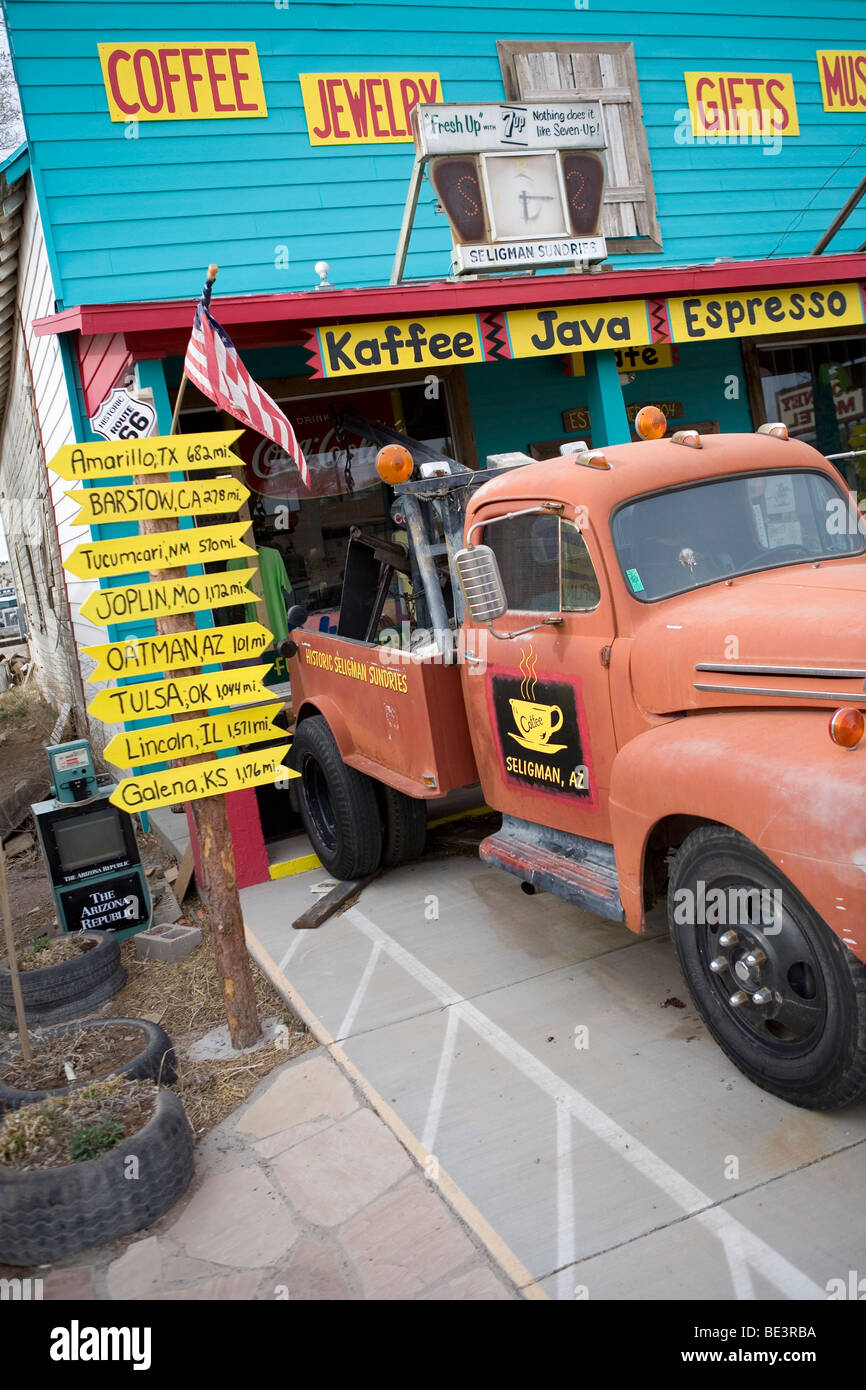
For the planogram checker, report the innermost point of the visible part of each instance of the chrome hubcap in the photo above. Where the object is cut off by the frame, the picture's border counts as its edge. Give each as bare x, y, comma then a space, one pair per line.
767, 975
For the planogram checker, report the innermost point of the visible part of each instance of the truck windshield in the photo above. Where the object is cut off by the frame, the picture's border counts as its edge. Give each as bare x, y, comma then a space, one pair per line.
687, 537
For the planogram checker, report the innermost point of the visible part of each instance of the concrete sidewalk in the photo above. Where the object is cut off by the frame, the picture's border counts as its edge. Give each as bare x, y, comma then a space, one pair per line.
302, 1193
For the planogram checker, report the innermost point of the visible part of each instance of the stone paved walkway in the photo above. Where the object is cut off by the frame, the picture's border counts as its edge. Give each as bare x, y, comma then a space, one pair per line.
302, 1193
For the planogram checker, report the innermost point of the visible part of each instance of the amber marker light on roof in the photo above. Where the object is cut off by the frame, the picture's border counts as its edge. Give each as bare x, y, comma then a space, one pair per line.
775, 428
394, 464
847, 727
650, 422
689, 437
589, 459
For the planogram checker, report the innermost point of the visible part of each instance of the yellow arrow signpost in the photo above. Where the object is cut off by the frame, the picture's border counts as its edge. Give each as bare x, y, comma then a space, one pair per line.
103, 506
129, 603
204, 779
150, 500
181, 695
190, 737
163, 551
177, 651
126, 458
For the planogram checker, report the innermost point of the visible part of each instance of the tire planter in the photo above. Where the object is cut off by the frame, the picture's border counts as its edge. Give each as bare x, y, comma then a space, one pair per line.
155, 1062
68, 990
47, 1214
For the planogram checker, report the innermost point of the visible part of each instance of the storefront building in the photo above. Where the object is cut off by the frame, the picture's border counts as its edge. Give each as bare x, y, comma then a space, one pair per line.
276, 140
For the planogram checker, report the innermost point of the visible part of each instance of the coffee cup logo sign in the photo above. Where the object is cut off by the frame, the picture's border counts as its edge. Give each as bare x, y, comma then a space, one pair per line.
536, 724
543, 718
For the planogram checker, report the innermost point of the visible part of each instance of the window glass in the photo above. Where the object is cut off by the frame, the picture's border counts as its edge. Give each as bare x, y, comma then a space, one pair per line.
579, 585
682, 539
818, 390
544, 564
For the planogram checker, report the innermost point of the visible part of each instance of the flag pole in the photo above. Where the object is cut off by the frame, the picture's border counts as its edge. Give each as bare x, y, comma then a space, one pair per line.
210, 817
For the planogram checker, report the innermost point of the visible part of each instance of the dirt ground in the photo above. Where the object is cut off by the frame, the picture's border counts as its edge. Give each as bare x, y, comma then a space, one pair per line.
26, 722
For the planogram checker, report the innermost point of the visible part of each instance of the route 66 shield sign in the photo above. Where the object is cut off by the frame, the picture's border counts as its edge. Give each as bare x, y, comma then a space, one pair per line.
121, 416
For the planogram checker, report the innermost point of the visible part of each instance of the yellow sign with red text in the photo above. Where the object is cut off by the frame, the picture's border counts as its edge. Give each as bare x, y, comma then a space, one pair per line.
364, 108
742, 104
843, 78
203, 81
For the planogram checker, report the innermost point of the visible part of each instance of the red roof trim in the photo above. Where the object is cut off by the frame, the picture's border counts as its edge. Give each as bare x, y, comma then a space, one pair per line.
173, 316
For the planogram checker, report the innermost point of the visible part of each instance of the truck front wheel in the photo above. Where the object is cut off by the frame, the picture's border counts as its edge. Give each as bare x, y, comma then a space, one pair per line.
338, 805
780, 993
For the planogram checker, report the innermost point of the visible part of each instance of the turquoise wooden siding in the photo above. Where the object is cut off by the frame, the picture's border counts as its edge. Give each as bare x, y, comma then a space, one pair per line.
517, 403
141, 218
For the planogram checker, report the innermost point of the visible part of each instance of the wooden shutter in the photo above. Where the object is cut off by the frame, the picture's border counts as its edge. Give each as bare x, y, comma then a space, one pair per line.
603, 72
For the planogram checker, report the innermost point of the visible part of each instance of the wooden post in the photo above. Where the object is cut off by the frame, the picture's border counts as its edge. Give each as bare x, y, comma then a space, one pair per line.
26, 1052
219, 889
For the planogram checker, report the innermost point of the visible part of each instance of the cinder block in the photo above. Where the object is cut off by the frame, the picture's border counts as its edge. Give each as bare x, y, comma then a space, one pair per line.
167, 943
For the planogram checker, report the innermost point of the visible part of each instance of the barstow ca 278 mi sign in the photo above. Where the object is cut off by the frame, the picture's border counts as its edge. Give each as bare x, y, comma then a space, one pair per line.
351, 349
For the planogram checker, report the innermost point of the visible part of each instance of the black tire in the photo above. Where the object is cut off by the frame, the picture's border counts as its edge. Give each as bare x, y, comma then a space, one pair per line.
405, 833
155, 1062
805, 1041
47, 1214
338, 805
68, 990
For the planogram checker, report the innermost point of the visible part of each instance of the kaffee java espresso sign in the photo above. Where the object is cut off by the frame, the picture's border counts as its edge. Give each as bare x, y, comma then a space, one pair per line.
353, 349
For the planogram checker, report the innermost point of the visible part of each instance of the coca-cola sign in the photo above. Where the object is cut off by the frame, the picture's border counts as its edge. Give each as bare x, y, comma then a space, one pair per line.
339, 462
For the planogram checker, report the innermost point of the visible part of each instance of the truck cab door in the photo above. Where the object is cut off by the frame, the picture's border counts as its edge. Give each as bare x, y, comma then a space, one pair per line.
539, 704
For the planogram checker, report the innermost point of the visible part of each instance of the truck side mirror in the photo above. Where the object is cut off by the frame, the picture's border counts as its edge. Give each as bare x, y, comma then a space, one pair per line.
483, 590
484, 593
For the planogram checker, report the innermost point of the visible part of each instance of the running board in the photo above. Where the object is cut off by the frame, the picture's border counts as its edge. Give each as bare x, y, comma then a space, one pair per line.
579, 870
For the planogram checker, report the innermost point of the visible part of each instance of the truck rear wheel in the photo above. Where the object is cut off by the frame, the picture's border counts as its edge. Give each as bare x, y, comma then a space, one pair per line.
338, 805
779, 992
405, 821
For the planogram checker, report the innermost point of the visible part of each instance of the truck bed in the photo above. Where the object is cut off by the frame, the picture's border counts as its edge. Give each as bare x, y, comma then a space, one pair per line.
395, 718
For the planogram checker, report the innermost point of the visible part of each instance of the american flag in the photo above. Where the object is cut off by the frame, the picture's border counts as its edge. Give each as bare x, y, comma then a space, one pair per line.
213, 365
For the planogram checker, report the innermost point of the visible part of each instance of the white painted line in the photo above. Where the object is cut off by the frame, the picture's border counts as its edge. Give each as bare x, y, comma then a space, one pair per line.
691, 1200
358, 996
565, 1251
437, 1099
297, 938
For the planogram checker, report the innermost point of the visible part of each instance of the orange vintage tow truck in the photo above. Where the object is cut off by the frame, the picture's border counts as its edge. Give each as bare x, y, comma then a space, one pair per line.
652, 658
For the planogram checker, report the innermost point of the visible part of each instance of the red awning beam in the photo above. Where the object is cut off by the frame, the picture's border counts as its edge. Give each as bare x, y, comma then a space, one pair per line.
161, 328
